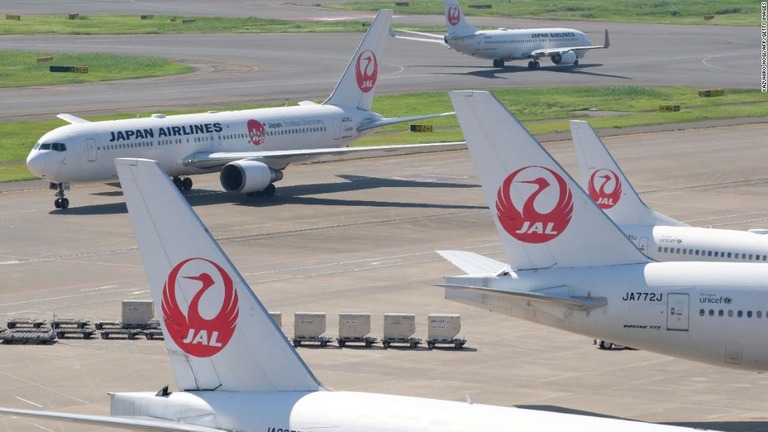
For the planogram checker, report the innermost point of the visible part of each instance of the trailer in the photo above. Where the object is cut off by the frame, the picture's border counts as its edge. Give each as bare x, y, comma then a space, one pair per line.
64, 327
25, 322
28, 336
411, 342
354, 328
108, 328
442, 330
108, 332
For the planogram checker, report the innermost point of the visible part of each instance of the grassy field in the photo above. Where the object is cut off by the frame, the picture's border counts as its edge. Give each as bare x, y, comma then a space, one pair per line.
160, 24
543, 110
20, 68
734, 12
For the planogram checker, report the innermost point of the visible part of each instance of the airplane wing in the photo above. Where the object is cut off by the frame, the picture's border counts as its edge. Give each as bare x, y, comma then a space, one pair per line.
549, 52
473, 263
69, 118
426, 37
396, 120
205, 160
554, 296
133, 423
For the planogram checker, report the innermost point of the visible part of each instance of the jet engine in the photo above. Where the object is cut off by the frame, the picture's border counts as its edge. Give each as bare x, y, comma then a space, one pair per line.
248, 176
566, 58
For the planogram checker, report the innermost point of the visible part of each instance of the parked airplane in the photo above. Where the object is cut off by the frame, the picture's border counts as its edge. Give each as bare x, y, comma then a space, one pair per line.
563, 46
570, 266
658, 236
238, 371
250, 148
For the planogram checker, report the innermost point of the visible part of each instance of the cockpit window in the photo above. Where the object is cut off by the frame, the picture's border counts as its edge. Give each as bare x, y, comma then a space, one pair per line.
46, 146
59, 147
37, 146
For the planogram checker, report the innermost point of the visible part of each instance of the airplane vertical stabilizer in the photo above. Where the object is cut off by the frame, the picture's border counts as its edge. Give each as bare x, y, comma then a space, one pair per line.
607, 185
543, 217
215, 328
357, 85
455, 21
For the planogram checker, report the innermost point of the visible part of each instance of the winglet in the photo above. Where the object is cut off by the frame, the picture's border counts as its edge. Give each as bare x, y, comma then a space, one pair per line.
606, 183
357, 85
607, 42
542, 216
224, 340
69, 118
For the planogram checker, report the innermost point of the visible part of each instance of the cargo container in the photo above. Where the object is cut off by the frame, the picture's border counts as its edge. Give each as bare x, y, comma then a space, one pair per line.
442, 329
354, 328
399, 329
309, 327
137, 312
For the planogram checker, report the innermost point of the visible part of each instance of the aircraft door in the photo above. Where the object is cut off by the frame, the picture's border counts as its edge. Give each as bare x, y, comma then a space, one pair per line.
678, 306
643, 244
336, 129
90, 148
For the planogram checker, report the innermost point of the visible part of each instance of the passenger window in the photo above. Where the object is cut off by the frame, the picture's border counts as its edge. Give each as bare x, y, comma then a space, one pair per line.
709, 253
729, 254
750, 256
701, 312
743, 256
739, 314
759, 314
730, 313
749, 314
720, 312
697, 252
678, 250
659, 249
685, 251
711, 312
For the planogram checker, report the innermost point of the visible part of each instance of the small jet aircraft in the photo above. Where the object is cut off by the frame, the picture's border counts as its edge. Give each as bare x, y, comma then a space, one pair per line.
251, 148
570, 267
563, 46
236, 368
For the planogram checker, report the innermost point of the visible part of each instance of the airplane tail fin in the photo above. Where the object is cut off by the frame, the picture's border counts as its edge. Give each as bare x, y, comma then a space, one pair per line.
455, 21
357, 85
542, 216
218, 334
607, 185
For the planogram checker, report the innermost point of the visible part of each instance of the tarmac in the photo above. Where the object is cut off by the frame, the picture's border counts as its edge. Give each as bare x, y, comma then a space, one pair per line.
359, 236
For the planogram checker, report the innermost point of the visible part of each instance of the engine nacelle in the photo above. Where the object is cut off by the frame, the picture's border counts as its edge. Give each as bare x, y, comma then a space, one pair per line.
566, 58
247, 176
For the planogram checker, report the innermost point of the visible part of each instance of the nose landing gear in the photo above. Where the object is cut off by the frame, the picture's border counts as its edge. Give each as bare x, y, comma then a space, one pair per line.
61, 202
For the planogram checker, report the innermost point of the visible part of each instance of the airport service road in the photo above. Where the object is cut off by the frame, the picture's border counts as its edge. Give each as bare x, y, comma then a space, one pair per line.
359, 236
287, 68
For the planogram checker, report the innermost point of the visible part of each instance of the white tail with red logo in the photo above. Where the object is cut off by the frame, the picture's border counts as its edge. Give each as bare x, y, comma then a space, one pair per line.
219, 336
455, 21
357, 85
607, 184
544, 219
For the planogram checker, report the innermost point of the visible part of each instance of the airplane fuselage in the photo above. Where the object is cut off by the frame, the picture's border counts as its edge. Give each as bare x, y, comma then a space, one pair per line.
706, 312
507, 44
666, 243
353, 412
86, 151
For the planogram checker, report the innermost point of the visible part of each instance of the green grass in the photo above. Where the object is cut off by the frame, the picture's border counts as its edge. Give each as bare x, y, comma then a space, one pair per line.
20, 68
734, 12
542, 110
132, 24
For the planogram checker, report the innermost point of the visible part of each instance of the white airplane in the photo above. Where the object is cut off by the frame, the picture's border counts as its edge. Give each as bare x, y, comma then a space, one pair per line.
250, 148
563, 46
570, 267
660, 237
238, 371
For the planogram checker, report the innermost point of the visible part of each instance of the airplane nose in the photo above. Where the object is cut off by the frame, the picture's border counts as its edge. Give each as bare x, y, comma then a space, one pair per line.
36, 163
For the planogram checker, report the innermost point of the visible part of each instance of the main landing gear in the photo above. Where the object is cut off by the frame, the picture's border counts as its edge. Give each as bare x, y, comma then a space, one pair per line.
268, 191
534, 64
61, 202
183, 184
498, 63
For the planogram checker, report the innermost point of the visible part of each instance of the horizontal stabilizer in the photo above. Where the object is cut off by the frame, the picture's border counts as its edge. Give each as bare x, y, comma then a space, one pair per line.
69, 118
474, 263
396, 120
204, 160
425, 37
458, 284
133, 423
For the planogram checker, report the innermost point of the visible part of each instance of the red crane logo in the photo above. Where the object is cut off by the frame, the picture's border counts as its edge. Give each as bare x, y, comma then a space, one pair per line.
453, 14
608, 192
530, 224
366, 71
195, 334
